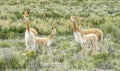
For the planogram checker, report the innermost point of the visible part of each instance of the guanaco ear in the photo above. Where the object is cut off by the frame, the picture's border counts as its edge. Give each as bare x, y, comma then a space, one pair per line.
23, 12
28, 12
52, 28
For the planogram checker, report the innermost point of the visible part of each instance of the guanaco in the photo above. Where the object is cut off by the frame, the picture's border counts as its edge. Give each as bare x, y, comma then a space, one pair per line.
96, 31
30, 33
46, 41
87, 40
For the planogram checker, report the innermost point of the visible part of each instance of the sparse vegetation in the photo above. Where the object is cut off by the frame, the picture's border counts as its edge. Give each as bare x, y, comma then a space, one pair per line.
67, 55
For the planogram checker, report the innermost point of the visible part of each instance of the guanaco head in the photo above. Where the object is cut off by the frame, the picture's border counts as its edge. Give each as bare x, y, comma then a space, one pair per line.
54, 31
72, 18
26, 15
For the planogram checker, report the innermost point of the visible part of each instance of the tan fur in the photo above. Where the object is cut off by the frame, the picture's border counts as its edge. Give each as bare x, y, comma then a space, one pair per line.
46, 41
42, 41
26, 17
88, 39
28, 27
96, 31
34, 31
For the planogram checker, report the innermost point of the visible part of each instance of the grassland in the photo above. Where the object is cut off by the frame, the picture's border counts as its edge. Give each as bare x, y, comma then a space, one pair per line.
67, 55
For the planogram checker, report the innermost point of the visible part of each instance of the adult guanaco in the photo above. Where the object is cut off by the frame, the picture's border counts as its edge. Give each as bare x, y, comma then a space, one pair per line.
30, 33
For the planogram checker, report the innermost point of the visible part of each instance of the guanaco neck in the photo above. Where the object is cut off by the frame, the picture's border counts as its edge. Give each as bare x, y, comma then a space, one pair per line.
51, 36
28, 26
74, 27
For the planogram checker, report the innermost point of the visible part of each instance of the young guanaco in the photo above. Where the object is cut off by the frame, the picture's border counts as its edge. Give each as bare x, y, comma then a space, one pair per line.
46, 41
88, 40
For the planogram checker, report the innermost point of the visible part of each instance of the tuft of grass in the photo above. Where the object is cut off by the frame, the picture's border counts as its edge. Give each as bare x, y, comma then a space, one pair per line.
105, 60
5, 44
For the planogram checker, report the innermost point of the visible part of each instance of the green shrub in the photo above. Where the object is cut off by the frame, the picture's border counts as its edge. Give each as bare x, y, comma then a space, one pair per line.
3, 35
103, 60
5, 44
